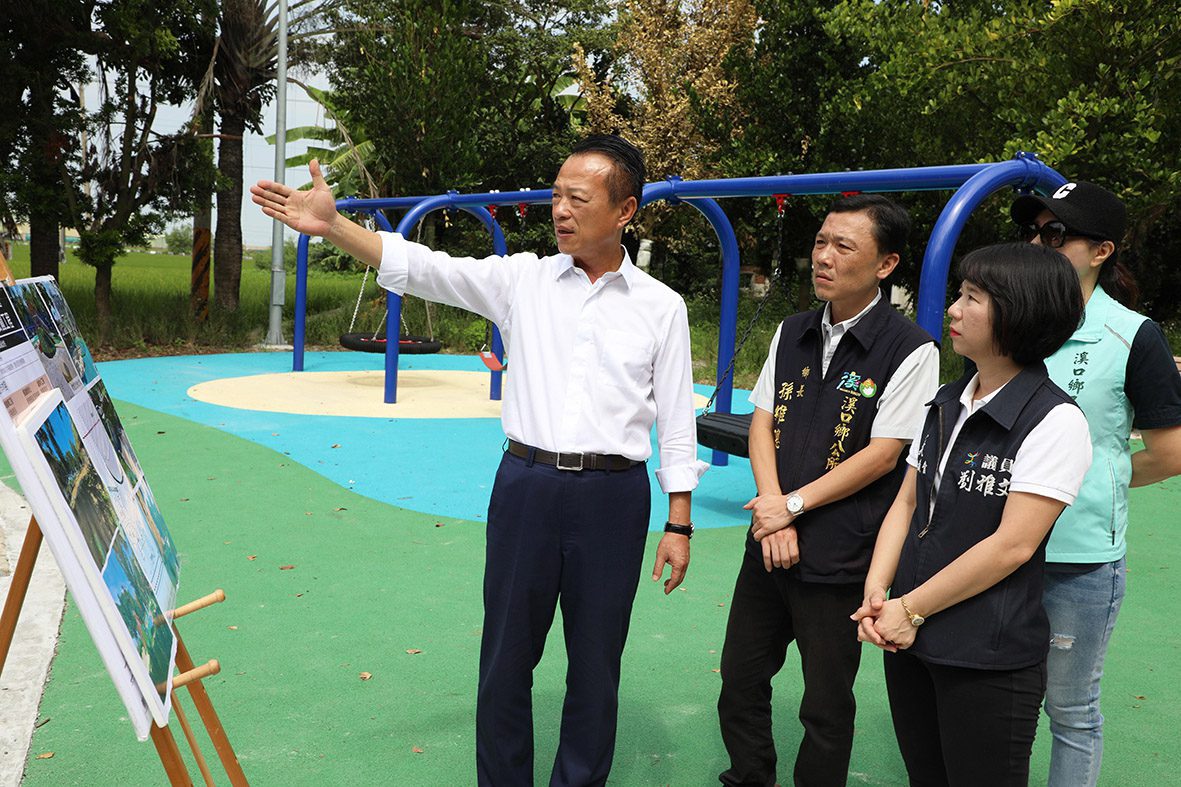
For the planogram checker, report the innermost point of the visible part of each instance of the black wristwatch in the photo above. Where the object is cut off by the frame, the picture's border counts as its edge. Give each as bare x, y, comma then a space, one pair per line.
680, 530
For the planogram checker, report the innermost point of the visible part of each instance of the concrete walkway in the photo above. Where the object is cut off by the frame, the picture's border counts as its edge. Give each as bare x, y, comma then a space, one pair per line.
34, 643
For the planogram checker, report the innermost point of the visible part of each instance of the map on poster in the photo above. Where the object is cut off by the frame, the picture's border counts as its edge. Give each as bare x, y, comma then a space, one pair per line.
75, 464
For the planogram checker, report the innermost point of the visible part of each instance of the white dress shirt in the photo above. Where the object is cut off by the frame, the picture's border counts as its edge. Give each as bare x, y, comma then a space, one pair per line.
593, 366
903, 404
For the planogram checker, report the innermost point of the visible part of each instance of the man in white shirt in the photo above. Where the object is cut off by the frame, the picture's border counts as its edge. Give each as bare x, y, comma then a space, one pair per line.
600, 352
841, 393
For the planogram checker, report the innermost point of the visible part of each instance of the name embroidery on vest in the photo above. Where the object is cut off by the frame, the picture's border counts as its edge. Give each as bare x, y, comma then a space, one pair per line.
983, 476
793, 389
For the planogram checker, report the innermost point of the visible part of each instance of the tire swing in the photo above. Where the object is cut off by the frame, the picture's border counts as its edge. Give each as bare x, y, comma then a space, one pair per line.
375, 342
729, 432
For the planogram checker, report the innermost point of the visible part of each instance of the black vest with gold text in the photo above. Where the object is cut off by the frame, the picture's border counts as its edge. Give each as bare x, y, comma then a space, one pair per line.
818, 421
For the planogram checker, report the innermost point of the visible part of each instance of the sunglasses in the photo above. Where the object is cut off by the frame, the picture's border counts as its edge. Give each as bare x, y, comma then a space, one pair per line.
1054, 234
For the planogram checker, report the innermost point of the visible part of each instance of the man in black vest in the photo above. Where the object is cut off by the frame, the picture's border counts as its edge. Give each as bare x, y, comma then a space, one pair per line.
841, 394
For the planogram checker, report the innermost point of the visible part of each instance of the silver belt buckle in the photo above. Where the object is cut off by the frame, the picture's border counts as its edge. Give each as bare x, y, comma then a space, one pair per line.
575, 468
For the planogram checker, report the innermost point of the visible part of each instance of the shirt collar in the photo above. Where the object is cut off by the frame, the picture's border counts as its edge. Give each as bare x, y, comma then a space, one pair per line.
972, 405
627, 270
1005, 403
847, 325
862, 326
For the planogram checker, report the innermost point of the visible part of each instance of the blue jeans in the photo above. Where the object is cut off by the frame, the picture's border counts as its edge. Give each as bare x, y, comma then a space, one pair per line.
1082, 603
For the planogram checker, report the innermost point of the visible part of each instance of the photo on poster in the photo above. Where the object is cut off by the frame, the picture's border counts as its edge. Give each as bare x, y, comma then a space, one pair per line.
155, 522
64, 318
11, 332
146, 549
116, 434
150, 630
56, 301
98, 443
78, 481
22, 375
59, 490
46, 338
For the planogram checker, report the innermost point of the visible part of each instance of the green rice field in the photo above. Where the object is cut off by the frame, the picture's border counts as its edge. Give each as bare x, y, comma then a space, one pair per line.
150, 293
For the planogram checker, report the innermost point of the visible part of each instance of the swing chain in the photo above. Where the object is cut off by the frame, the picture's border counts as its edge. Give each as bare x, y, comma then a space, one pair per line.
366, 221
779, 210
360, 296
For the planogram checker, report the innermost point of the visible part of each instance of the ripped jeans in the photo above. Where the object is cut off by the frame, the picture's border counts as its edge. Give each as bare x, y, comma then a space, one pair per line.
1082, 602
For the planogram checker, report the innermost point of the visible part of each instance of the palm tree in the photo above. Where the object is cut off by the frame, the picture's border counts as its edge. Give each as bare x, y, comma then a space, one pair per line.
345, 151
243, 76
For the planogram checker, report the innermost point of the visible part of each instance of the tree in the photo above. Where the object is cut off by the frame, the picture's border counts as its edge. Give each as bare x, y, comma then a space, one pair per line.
668, 91
244, 70
672, 53
462, 95
777, 128
44, 41
178, 239
350, 155
143, 54
244, 61
1094, 88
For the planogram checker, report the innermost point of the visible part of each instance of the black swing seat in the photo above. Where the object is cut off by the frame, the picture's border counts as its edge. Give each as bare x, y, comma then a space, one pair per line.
368, 343
725, 432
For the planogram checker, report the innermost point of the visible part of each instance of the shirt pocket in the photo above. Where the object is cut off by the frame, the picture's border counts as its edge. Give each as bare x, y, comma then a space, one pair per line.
625, 360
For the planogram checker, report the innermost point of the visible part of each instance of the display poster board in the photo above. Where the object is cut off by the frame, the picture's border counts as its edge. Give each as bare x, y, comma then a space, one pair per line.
84, 484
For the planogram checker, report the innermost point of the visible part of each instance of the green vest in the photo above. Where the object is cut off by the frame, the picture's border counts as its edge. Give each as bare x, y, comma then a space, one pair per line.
1091, 367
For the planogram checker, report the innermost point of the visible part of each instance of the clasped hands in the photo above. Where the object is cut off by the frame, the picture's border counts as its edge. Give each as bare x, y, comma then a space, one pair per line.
771, 525
883, 622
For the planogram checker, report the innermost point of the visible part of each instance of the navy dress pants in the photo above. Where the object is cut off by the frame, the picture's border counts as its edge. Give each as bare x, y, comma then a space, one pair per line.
556, 536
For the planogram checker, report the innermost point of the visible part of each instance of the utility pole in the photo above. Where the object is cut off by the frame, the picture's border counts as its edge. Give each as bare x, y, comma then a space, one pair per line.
278, 273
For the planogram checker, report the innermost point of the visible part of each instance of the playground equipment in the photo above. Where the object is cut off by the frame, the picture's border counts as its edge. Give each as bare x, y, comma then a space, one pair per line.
971, 184
374, 342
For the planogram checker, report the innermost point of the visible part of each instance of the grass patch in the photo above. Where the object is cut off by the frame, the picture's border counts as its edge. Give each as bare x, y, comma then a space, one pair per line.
150, 305
151, 314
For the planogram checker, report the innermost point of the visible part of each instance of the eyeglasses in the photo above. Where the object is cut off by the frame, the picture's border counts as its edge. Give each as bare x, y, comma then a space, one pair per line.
1054, 234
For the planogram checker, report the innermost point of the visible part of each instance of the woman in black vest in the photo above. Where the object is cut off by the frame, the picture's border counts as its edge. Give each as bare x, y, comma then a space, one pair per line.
1002, 451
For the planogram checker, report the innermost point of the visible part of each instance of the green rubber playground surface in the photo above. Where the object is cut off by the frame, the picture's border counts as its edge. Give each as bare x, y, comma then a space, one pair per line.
325, 586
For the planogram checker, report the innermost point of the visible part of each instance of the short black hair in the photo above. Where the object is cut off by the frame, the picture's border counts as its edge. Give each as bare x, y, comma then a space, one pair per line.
627, 178
1037, 302
891, 222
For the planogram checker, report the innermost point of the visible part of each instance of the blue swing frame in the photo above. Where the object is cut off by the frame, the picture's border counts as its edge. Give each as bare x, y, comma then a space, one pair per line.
971, 184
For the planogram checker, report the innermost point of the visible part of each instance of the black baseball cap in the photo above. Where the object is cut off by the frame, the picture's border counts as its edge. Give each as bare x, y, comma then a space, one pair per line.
1081, 206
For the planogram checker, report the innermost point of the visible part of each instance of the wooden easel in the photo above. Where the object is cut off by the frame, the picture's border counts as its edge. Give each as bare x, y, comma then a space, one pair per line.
190, 675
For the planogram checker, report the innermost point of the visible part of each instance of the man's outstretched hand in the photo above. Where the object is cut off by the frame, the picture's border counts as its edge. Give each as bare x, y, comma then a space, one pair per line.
309, 212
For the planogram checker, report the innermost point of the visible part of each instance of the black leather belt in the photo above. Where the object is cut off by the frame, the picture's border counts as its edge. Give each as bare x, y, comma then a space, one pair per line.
572, 461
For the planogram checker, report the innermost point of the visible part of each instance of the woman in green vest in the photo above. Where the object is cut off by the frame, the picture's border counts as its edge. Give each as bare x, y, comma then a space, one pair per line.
1120, 371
